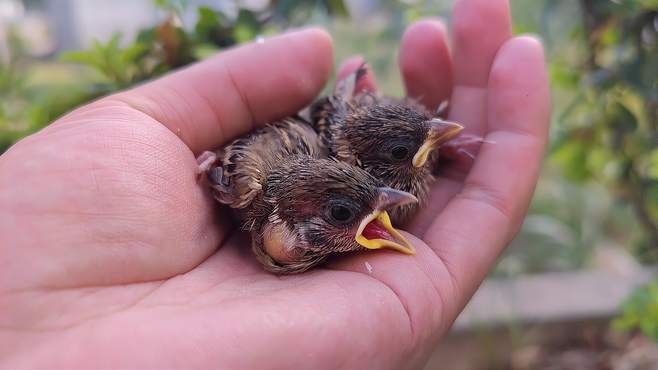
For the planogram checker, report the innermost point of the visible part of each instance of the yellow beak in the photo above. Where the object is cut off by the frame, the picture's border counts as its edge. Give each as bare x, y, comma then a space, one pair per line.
380, 221
440, 133
376, 231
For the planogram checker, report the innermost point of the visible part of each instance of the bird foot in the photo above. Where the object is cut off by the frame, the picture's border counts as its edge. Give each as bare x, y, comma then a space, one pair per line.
219, 183
205, 161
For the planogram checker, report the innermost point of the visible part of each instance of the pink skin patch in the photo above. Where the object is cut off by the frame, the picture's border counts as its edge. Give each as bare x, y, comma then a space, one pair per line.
375, 230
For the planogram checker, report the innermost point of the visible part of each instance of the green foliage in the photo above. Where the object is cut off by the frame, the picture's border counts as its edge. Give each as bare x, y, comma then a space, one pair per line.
121, 66
609, 131
174, 6
168, 45
15, 107
25, 109
640, 312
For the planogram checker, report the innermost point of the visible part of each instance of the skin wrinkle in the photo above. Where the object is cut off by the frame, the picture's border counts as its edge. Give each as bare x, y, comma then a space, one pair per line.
243, 97
176, 108
453, 280
307, 351
224, 301
397, 297
438, 264
131, 243
92, 317
182, 103
158, 183
93, 173
143, 107
145, 195
221, 131
389, 288
342, 364
136, 303
248, 280
169, 280
481, 193
255, 278
435, 288
163, 157
153, 151
403, 302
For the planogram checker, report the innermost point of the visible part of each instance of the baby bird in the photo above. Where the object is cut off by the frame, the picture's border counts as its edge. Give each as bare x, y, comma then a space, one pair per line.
392, 139
298, 205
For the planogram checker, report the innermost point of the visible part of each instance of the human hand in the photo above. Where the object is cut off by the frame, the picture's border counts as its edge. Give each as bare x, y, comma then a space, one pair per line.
111, 255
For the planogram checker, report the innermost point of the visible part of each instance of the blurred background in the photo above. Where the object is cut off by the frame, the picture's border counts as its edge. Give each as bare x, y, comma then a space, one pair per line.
576, 289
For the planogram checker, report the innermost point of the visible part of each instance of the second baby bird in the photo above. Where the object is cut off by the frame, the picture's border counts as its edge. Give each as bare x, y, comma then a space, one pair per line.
392, 139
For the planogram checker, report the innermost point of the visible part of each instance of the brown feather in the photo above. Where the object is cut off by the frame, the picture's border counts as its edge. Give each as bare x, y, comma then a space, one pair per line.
362, 130
281, 186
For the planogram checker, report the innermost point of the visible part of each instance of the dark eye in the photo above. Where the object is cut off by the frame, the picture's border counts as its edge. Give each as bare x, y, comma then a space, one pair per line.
341, 213
399, 152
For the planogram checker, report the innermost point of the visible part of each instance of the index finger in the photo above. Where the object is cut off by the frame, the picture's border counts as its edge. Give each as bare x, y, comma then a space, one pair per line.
222, 97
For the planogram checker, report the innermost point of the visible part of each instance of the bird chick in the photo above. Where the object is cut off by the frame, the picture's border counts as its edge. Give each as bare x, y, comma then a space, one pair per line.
299, 206
392, 139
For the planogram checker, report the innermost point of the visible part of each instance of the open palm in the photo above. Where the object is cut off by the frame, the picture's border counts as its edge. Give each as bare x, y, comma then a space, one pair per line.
111, 254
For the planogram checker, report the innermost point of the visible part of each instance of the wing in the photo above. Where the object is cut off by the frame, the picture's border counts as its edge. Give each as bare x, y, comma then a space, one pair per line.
244, 164
327, 111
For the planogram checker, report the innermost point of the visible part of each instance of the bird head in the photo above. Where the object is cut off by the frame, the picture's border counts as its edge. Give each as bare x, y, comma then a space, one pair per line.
393, 139
324, 206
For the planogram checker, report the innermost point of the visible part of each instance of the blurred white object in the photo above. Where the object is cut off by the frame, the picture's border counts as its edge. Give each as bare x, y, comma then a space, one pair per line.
36, 33
100, 19
10, 10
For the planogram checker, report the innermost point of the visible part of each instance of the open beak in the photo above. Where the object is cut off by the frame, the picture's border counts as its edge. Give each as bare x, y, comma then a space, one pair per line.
440, 133
376, 231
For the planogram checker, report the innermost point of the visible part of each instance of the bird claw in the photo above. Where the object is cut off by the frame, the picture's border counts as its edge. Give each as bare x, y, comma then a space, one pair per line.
215, 175
217, 178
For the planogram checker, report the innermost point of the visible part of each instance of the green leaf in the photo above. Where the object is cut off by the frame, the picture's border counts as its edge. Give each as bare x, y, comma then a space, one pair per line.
208, 22
202, 51
622, 120
652, 170
134, 52
649, 4
337, 8
611, 35
572, 156
177, 6
641, 312
564, 75
82, 57
247, 26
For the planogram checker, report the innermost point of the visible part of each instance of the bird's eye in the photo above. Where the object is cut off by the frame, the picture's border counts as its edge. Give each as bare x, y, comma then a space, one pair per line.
399, 152
341, 213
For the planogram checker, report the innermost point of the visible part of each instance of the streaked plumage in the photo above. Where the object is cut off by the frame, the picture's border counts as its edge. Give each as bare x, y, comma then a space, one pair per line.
392, 139
298, 205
